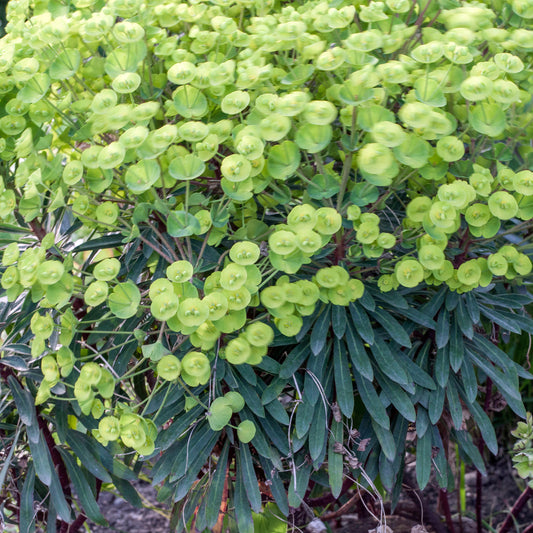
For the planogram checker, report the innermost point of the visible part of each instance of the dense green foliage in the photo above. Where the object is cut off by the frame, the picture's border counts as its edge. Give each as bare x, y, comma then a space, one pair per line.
247, 243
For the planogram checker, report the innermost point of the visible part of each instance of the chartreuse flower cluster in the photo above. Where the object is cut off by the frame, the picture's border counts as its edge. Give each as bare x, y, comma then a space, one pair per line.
522, 453
483, 202
258, 162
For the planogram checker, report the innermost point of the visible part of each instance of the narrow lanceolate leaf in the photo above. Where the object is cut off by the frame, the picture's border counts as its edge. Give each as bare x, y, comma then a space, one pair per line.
423, 459
372, 402
319, 334
249, 478
442, 333
388, 363
93, 465
436, 404
343, 379
27, 513
57, 497
505, 322
386, 441
338, 320
243, 512
41, 460
456, 347
83, 490
463, 319
454, 404
357, 351
23, 401
485, 426
441, 370
362, 323
392, 327
335, 459
294, 360
398, 397
299, 482
318, 431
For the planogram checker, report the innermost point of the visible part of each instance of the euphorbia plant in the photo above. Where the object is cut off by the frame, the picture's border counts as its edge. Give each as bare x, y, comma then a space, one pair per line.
247, 243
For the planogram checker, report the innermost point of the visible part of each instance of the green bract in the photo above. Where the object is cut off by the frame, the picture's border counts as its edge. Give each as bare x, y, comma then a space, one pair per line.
295, 225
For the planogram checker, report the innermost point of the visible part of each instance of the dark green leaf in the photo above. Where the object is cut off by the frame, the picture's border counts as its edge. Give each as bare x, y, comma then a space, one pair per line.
430, 308
454, 405
466, 445
109, 241
294, 360
442, 333
509, 301
250, 396
243, 512
299, 481
418, 317
23, 401
276, 485
278, 412
42, 460
468, 377
318, 431
27, 513
335, 459
386, 440
452, 299
392, 327
472, 307
357, 351
398, 397
58, 497
372, 402
304, 415
343, 379
423, 459
436, 403
338, 320
388, 363
507, 387
367, 301
126, 490
273, 391
462, 318
441, 371
91, 462
503, 321
362, 323
456, 347
250, 480
422, 421
485, 426
319, 334
83, 490
216, 489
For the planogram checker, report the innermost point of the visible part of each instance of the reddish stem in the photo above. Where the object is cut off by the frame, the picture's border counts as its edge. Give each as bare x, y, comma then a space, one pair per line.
443, 496
517, 507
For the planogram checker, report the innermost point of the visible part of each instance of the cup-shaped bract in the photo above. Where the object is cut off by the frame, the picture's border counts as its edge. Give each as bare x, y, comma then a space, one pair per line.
409, 273
244, 253
169, 367
503, 205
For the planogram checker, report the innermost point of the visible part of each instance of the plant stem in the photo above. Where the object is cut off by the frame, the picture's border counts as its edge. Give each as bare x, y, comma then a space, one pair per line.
517, 507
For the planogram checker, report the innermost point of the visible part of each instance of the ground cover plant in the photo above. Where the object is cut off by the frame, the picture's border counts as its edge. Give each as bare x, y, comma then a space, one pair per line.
246, 245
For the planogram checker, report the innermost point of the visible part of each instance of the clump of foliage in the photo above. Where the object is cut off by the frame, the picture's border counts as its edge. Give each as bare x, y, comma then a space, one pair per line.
247, 243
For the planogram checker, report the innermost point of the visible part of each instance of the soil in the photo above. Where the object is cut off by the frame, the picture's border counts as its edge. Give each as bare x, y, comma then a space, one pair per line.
499, 489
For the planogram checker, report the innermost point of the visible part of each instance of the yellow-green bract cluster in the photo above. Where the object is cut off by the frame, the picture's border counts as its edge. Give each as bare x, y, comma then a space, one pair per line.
484, 201
368, 234
132, 429
307, 230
